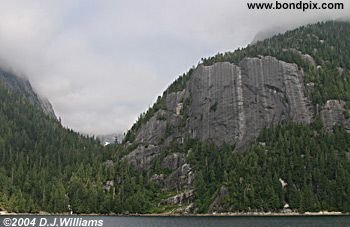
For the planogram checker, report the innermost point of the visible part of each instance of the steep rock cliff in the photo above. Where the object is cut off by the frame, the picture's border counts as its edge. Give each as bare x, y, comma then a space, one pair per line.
225, 103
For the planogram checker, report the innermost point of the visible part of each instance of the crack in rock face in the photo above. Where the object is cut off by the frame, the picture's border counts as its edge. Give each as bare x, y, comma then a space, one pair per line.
229, 103
257, 93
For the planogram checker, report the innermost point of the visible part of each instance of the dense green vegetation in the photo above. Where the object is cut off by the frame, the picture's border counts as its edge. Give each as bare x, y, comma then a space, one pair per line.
329, 45
313, 163
315, 167
46, 167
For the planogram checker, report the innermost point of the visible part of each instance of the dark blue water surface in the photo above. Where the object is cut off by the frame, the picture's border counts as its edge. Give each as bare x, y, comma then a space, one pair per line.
299, 221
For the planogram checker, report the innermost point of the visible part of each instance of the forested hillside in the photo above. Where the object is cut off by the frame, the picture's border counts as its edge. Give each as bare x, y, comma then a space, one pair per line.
313, 165
46, 167
311, 159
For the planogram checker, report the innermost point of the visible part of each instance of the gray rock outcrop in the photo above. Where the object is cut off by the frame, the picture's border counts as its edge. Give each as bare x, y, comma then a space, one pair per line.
179, 199
173, 161
228, 103
333, 113
142, 157
306, 57
181, 178
158, 179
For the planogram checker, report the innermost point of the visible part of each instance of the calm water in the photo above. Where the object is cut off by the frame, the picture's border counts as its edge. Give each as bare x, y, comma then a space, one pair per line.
339, 221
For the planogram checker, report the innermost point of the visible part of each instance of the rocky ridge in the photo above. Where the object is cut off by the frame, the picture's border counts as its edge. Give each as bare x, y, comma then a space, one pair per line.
225, 103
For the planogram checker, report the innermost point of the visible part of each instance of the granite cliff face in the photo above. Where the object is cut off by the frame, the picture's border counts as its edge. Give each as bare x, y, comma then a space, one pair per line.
235, 102
22, 86
226, 103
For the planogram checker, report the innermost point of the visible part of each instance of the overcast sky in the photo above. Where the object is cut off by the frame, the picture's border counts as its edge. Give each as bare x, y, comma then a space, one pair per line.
101, 63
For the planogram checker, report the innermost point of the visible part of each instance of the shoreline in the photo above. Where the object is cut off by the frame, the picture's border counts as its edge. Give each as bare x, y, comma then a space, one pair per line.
229, 214
250, 214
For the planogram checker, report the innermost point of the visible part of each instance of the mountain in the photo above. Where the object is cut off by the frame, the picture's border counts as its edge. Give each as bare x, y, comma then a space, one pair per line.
46, 167
293, 84
232, 97
264, 128
230, 103
22, 86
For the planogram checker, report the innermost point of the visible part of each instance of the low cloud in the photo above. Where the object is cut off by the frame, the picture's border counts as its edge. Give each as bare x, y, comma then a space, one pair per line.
102, 63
